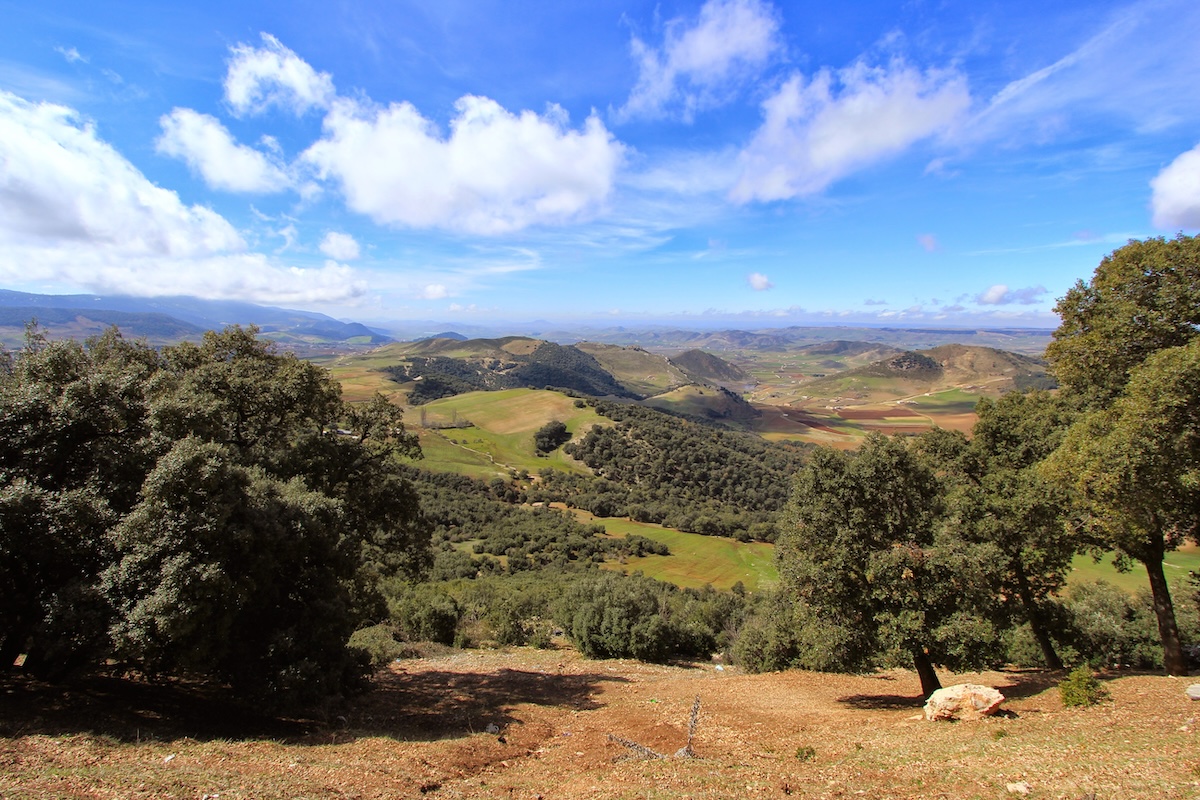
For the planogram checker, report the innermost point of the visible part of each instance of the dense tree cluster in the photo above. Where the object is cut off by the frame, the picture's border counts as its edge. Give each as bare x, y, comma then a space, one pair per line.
937, 546
686, 474
494, 520
211, 509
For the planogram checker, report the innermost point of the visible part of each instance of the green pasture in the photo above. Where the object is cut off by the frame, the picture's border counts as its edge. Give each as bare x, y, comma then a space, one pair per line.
499, 430
443, 455
1177, 564
951, 401
695, 560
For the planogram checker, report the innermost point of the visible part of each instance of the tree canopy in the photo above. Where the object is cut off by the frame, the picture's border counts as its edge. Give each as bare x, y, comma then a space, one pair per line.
1127, 353
862, 549
212, 509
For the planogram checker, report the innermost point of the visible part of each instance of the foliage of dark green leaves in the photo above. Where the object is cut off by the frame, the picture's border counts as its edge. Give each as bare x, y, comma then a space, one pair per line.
551, 436
862, 550
656, 467
197, 511
1128, 354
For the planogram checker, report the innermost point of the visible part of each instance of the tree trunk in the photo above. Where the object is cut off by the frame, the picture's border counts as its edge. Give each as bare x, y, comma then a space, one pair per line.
1164, 610
929, 678
1037, 624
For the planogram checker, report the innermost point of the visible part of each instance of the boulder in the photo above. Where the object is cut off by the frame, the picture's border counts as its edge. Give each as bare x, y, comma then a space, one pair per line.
965, 701
1193, 691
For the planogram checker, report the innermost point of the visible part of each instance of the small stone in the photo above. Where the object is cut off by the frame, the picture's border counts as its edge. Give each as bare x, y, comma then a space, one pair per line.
1021, 787
1193, 691
492, 728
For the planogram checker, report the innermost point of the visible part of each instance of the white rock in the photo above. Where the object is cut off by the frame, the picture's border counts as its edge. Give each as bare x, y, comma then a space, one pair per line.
1193, 691
1021, 787
965, 701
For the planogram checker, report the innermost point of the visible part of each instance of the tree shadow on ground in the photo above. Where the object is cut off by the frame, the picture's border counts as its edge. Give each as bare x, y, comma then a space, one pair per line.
1016, 685
424, 705
435, 704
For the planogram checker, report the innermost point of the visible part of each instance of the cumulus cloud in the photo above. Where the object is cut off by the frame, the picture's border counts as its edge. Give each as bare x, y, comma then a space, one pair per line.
759, 282
929, 242
210, 150
1176, 192
1001, 295
496, 172
341, 246
817, 131
74, 210
433, 291
700, 64
273, 75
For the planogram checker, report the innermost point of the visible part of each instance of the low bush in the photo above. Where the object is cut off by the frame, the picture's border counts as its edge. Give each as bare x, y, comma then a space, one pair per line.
1081, 688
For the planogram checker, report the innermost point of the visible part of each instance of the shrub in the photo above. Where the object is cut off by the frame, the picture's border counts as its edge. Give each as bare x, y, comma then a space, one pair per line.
1081, 688
379, 643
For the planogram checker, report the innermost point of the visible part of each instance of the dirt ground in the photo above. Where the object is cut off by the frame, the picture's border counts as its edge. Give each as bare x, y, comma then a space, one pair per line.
527, 724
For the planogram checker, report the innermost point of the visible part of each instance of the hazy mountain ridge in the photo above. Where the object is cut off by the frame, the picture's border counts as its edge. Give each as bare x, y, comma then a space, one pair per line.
163, 320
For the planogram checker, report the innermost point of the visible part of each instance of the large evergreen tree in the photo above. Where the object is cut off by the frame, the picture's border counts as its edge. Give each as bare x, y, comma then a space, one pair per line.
213, 509
862, 548
1124, 353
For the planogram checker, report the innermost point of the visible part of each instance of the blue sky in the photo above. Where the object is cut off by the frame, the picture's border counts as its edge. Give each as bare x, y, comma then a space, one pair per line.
728, 162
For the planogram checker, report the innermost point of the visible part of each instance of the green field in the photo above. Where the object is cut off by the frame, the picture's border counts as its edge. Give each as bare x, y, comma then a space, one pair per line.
497, 432
1177, 564
695, 560
950, 401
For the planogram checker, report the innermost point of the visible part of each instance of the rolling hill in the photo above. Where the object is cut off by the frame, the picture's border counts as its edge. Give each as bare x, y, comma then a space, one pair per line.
978, 370
704, 367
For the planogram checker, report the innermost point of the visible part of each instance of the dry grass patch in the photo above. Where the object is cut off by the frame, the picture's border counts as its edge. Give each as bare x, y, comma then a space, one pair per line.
423, 733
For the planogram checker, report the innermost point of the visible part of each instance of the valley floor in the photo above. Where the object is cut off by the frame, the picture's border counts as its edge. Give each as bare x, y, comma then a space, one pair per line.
553, 715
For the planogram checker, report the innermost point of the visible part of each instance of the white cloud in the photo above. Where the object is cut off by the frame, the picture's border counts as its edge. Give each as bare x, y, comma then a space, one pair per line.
341, 246
1176, 192
699, 65
759, 282
496, 172
818, 131
73, 210
273, 75
433, 291
210, 150
70, 54
1140, 65
1000, 295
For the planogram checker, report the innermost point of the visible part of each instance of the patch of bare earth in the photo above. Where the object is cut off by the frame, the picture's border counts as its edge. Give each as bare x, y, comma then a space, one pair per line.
424, 732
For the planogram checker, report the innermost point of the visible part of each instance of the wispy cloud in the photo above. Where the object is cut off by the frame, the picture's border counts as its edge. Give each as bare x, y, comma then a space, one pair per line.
1001, 295
70, 54
819, 130
701, 63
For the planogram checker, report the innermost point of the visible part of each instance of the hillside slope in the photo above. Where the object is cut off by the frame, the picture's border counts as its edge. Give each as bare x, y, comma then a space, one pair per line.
983, 370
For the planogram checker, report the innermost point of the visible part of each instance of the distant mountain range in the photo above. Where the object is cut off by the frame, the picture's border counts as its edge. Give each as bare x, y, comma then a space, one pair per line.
163, 320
